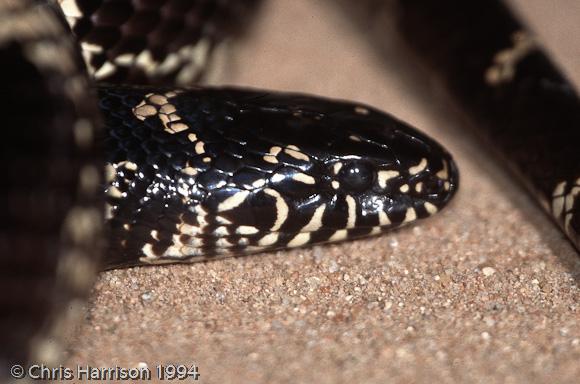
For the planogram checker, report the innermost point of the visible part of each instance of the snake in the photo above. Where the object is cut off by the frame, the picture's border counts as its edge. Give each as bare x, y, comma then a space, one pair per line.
117, 175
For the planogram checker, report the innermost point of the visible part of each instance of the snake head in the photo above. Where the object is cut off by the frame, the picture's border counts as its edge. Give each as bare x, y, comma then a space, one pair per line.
342, 170
215, 172
392, 172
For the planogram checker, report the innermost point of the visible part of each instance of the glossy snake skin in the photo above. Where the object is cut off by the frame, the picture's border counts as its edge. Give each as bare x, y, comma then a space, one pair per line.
195, 174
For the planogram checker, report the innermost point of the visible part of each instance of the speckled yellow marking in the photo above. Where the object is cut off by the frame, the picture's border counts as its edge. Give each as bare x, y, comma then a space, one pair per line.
383, 218
192, 137
385, 176
375, 231
115, 192
223, 243
304, 178
270, 159
125, 60
199, 147
222, 220
70, 8
443, 174
419, 167
83, 133
315, 222
355, 138
89, 179
126, 227
419, 186
193, 58
170, 64
88, 52
129, 165
336, 167
404, 188
110, 173
183, 190
275, 150
269, 239
294, 151
569, 201
335, 184
233, 201
187, 251
188, 229
567, 226
430, 208
410, 215
165, 120
259, 183
168, 109
221, 231
281, 209
339, 235
108, 211
151, 257
93, 48
189, 171
107, 69
201, 215
277, 177
206, 159
158, 105
558, 199
299, 240
82, 223
247, 230
178, 246
351, 204
559, 190
178, 127
361, 110
144, 60
154, 234
505, 61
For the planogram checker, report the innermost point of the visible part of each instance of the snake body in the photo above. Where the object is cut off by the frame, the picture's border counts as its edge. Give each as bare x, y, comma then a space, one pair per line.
518, 100
197, 173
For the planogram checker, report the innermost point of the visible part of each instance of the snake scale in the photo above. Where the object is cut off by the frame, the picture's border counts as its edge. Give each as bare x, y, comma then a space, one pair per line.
192, 174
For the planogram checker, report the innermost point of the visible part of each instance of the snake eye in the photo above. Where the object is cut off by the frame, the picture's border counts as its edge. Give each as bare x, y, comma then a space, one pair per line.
432, 186
356, 176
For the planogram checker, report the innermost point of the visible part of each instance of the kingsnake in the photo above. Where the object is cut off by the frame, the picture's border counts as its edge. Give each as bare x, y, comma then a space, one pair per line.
196, 173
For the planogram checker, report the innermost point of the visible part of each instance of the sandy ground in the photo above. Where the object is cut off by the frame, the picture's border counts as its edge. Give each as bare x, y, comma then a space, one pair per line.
486, 291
